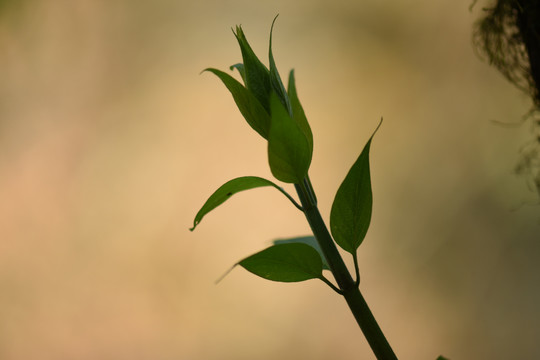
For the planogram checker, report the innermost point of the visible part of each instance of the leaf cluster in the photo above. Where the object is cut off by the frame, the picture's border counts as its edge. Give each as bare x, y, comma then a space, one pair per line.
277, 115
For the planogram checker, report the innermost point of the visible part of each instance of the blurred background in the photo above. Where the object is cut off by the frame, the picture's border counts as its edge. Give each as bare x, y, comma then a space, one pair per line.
111, 140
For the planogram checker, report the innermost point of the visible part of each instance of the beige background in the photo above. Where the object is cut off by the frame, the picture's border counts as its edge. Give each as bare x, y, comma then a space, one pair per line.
110, 141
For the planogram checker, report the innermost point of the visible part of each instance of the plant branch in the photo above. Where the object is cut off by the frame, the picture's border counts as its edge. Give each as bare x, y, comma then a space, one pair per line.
365, 319
348, 287
328, 247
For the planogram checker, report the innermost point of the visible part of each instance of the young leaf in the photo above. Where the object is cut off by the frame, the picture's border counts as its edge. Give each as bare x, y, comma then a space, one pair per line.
351, 211
298, 112
240, 68
286, 263
275, 79
257, 76
229, 189
308, 240
289, 153
252, 110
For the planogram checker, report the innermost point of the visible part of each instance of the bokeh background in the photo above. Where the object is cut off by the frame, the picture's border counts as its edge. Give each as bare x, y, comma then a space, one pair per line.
111, 140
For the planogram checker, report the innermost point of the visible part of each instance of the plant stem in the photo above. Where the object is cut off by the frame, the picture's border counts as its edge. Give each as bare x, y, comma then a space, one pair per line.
365, 319
360, 309
328, 247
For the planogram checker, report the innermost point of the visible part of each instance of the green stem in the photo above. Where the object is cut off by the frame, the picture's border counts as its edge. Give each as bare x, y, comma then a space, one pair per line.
328, 247
365, 319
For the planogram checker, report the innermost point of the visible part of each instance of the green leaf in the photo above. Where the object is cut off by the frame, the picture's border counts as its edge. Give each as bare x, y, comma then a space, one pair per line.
298, 112
275, 79
442, 358
240, 68
257, 76
286, 263
351, 211
289, 154
308, 240
229, 189
252, 110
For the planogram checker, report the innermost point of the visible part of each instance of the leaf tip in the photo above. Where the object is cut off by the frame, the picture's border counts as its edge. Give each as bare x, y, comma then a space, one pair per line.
378, 126
208, 69
225, 274
273, 21
239, 33
195, 223
271, 32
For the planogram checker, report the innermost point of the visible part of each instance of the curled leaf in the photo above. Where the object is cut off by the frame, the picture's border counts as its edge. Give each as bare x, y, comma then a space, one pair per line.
241, 70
